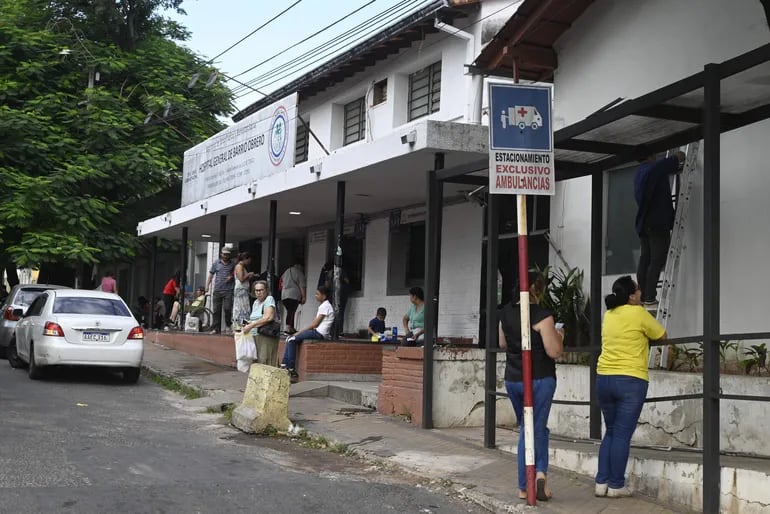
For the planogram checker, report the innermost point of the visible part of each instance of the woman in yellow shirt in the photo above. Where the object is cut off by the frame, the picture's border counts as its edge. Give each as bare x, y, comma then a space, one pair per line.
622, 380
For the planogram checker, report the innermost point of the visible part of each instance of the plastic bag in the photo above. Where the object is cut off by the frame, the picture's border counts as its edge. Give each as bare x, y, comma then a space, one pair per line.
245, 351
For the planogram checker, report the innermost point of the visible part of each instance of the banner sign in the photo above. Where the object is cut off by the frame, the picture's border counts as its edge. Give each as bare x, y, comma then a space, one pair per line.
258, 146
520, 140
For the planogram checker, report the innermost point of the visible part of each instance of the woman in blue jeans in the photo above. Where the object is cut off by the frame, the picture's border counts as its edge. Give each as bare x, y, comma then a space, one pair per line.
622, 380
547, 345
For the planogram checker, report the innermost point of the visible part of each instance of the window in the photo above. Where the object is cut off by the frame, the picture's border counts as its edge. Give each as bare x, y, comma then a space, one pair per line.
37, 306
380, 92
303, 140
406, 257
353, 262
425, 91
96, 306
352, 258
622, 243
355, 127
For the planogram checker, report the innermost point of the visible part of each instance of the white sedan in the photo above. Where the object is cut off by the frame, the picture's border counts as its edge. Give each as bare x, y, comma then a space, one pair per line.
75, 327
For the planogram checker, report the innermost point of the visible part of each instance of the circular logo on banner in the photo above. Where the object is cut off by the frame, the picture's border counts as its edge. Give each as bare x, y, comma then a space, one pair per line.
279, 136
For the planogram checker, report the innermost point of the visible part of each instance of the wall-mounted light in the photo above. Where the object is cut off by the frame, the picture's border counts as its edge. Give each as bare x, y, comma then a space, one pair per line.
205, 206
167, 217
409, 138
294, 213
316, 168
206, 236
252, 189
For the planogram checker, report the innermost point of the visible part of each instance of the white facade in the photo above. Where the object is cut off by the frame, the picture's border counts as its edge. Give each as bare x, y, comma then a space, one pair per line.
626, 49
454, 46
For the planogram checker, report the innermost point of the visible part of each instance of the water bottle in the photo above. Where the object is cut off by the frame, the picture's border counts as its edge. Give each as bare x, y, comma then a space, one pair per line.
395, 333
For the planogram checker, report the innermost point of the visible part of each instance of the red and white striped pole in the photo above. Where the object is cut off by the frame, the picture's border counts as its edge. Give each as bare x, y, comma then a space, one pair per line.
526, 348
526, 343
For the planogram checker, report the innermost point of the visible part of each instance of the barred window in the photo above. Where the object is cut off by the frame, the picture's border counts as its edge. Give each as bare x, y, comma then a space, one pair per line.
303, 140
355, 126
425, 91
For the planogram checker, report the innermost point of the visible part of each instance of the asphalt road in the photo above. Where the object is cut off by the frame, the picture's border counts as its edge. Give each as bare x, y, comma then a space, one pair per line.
80, 441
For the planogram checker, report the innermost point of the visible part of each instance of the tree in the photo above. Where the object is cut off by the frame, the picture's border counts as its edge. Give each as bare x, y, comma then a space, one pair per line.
95, 114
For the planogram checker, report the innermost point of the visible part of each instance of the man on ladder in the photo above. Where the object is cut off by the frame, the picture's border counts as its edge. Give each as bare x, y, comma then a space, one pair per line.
654, 218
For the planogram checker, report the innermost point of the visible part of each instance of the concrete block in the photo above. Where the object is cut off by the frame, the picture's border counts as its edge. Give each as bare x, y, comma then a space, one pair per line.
265, 401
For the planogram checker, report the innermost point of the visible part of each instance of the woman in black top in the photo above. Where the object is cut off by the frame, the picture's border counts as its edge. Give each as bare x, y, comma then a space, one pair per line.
547, 345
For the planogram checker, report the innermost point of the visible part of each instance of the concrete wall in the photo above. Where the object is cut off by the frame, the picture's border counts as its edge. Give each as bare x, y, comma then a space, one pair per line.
743, 424
625, 49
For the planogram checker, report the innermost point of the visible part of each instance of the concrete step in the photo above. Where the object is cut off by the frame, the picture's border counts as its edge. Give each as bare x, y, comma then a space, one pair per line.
674, 477
362, 394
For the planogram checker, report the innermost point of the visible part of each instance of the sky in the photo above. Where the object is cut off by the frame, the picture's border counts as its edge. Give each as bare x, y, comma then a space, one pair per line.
217, 24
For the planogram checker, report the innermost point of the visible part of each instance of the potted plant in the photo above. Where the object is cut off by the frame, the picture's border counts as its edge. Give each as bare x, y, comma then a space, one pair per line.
565, 298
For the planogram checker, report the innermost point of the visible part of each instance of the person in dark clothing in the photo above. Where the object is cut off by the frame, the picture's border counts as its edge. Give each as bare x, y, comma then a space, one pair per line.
654, 218
547, 344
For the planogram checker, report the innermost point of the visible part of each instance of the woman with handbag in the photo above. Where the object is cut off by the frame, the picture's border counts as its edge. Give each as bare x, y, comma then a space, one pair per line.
264, 318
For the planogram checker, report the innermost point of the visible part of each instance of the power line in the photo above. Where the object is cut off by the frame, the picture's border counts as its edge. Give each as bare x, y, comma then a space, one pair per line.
330, 47
244, 38
311, 36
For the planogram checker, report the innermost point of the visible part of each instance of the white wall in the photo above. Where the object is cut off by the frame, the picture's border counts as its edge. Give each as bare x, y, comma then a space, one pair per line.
626, 49
460, 274
676, 423
382, 119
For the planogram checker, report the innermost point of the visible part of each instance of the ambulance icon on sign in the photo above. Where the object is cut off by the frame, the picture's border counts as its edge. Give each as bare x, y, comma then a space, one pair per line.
521, 116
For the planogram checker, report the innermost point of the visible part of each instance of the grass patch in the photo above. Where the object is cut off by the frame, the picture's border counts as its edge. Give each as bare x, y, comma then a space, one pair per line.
226, 410
174, 385
321, 443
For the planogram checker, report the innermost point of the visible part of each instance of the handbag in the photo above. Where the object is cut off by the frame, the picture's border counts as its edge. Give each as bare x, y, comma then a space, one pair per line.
272, 329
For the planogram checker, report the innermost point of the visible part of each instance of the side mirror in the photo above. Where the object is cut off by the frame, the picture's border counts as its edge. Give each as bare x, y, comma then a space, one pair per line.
18, 313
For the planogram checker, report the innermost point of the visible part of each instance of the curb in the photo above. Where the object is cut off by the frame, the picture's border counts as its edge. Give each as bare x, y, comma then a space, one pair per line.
482, 500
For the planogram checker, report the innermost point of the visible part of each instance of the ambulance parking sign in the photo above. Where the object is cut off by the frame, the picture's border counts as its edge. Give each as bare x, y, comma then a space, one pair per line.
520, 140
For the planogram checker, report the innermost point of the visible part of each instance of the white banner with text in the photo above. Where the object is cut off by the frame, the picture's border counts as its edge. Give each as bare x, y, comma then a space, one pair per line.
258, 146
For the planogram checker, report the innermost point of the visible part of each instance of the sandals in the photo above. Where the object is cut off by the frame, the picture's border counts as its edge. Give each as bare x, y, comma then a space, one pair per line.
542, 491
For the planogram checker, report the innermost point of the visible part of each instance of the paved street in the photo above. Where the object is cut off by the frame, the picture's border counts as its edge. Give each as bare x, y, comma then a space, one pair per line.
84, 442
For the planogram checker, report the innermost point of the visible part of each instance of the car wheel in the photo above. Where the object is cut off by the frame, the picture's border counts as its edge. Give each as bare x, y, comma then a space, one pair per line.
35, 371
3, 352
131, 375
13, 355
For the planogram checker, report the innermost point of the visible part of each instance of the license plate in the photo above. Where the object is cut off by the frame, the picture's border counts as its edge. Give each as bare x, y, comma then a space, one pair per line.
97, 337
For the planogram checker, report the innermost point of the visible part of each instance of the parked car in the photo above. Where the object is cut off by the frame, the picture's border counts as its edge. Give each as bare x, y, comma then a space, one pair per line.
76, 327
20, 297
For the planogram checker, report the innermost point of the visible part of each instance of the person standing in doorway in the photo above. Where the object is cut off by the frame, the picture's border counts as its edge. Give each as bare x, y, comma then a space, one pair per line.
654, 218
109, 284
221, 274
622, 379
293, 293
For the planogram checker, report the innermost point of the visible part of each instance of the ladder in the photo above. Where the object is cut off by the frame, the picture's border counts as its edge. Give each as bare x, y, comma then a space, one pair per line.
677, 246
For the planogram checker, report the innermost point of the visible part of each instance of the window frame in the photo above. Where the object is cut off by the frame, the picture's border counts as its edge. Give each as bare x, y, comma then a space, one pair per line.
431, 74
302, 143
400, 285
348, 115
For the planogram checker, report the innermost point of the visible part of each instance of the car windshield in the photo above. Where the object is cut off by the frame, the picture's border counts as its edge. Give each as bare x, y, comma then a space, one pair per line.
26, 296
99, 306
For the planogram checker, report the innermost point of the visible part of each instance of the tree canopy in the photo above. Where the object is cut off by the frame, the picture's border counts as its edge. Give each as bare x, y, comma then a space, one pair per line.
95, 114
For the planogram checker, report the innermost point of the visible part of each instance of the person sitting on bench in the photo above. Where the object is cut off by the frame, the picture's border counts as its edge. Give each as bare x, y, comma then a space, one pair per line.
319, 328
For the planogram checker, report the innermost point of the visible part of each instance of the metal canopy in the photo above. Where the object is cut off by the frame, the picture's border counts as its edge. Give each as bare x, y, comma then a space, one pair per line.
666, 118
721, 98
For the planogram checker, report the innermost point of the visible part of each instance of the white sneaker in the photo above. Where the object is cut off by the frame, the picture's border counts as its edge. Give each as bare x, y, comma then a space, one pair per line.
600, 490
621, 492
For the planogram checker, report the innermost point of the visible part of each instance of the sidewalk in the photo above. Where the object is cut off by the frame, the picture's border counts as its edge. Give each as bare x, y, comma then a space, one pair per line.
486, 476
